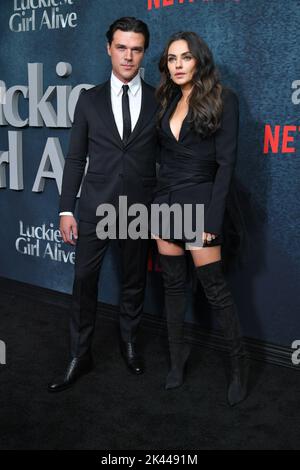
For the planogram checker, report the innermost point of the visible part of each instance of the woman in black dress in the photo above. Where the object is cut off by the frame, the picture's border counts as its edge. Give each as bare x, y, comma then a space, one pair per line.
198, 128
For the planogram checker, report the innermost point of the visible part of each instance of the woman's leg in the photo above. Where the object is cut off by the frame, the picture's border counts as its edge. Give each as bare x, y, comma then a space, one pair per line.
174, 271
209, 270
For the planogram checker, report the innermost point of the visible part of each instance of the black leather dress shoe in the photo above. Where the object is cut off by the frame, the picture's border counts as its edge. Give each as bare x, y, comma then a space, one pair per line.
132, 360
78, 367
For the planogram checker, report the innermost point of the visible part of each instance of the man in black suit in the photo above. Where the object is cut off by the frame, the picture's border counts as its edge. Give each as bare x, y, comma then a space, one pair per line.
114, 123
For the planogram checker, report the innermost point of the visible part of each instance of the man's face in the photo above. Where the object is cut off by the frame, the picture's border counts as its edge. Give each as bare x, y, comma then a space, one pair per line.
126, 52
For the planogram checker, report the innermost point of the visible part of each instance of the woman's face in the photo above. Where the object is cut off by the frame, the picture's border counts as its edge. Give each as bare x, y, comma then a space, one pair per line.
181, 63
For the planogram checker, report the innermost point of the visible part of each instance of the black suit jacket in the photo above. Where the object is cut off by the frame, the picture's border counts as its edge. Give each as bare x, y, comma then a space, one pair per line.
114, 168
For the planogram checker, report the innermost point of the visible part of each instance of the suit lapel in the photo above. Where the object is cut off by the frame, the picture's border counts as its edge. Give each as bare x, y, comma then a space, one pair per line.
148, 108
185, 127
105, 112
169, 111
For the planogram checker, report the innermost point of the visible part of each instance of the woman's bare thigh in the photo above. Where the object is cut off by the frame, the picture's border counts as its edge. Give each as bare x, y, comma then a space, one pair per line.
206, 255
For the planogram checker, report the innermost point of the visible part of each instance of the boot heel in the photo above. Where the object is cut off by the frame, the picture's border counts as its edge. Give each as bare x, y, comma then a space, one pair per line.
238, 382
175, 377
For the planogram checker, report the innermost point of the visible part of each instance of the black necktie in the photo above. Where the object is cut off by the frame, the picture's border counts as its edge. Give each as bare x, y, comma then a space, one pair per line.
126, 114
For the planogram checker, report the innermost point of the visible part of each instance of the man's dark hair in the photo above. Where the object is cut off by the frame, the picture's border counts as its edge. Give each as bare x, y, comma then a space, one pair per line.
129, 23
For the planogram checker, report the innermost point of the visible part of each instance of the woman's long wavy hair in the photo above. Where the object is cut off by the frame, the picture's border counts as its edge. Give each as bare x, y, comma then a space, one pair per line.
205, 99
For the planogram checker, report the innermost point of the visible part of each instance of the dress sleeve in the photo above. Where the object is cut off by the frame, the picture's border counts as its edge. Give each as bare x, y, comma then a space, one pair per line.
226, 140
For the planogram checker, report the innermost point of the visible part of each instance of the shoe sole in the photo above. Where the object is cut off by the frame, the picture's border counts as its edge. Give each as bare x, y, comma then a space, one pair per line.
71, 384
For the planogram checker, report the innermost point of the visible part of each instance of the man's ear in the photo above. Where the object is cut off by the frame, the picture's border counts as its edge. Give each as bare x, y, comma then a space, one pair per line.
108, 49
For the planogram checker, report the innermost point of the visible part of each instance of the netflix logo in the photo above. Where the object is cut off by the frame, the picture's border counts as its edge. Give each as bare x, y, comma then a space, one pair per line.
165, 3
156, 4
280, 139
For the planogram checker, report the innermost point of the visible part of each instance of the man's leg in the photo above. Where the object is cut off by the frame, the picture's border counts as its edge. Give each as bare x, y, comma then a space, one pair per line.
90, 252
134, 275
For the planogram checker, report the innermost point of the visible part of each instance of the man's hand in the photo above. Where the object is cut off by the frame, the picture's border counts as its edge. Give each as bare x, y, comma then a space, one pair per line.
208, 237
68, 229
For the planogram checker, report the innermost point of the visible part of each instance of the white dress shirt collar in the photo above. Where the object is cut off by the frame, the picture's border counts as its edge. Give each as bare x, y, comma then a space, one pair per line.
134, 85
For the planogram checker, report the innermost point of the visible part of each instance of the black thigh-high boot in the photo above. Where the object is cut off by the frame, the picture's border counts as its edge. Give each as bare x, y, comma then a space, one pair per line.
221, 301
174, 273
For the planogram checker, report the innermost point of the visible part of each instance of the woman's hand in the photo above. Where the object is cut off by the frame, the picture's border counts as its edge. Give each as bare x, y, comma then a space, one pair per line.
208, 237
